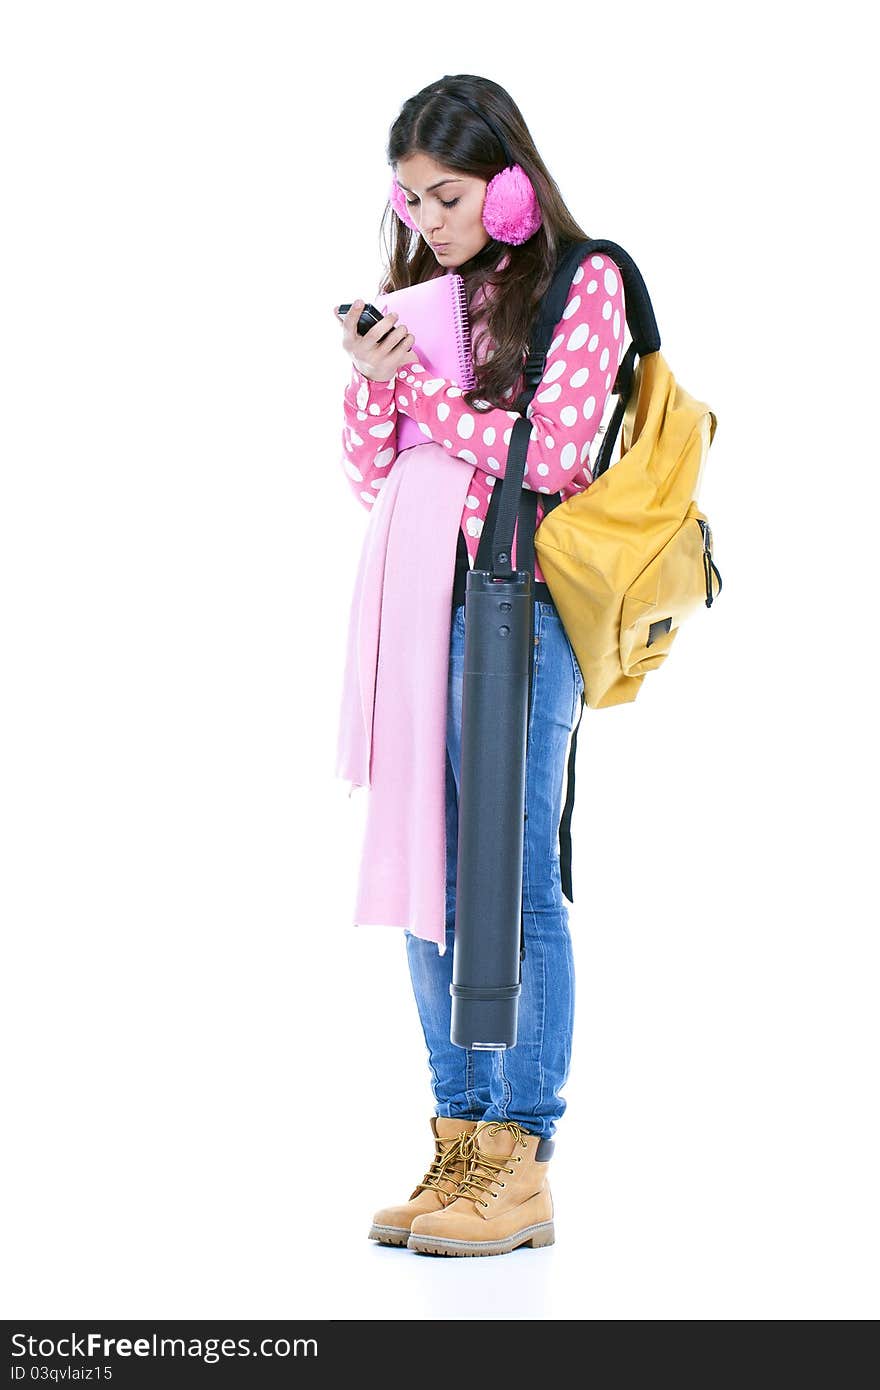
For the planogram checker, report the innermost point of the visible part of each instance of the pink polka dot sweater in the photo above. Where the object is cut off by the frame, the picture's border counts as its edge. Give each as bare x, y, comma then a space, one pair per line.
566, 409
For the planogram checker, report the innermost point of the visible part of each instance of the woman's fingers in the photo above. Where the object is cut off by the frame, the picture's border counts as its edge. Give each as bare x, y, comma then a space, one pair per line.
383, 348
378, 331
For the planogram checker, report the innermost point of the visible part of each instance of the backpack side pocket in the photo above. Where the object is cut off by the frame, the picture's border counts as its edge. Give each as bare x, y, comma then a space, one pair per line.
679, 578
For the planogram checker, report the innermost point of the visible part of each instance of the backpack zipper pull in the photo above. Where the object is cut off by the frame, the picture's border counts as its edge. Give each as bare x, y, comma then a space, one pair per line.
709, 565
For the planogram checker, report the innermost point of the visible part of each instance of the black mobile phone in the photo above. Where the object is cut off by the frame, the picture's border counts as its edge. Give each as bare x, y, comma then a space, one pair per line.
370, 316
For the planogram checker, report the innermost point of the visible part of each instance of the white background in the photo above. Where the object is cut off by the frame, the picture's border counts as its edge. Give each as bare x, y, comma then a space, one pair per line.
211, 1077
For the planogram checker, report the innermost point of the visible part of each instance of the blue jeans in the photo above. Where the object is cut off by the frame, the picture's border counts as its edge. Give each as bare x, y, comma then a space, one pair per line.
522, 1083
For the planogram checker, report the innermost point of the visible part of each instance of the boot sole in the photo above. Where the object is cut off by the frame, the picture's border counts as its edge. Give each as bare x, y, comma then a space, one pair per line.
535, 1236
389, 1235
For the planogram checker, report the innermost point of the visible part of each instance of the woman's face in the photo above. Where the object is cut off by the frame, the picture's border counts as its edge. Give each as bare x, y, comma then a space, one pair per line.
448, 216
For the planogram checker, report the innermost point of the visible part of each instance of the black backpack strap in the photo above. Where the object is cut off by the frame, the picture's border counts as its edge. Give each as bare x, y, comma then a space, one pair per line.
565, 822
645, 338
507, 509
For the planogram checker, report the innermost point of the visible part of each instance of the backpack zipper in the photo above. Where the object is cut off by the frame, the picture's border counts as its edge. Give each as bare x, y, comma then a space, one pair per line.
708, 563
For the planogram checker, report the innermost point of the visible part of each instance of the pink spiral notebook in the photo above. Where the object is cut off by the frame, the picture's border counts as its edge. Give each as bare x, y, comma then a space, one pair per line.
436, 314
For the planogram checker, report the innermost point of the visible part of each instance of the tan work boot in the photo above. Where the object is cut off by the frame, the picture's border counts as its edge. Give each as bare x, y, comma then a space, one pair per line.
503, 1200
391, 1225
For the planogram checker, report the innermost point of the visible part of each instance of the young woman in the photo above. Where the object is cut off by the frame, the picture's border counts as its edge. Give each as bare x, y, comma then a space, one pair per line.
472, 195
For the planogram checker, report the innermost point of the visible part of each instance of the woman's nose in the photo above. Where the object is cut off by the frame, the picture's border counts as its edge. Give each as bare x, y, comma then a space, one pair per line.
426, 226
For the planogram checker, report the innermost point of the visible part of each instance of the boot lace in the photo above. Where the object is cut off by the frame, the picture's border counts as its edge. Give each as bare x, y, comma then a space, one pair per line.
476, 1182
448, 1153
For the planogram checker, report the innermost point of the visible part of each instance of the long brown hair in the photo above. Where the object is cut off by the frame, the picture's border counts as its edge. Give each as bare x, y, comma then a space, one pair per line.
433, 123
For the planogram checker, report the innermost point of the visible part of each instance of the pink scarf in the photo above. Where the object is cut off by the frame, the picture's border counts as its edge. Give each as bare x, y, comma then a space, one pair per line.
392, 731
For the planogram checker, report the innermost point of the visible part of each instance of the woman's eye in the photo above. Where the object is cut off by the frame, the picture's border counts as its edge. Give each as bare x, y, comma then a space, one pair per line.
415, 200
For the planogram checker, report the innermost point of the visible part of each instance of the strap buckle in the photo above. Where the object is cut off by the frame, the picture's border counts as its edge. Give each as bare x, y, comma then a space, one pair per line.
534, 368
625, 376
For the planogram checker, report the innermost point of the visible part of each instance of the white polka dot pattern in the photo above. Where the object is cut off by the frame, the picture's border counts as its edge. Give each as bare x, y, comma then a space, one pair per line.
565, 411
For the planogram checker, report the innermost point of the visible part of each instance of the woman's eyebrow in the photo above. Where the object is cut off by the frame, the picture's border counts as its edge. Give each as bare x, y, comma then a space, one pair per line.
439, 184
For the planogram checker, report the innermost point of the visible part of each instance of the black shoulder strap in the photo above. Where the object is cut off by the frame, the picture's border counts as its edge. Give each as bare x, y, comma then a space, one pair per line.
565, 822
507, 505
645, 338
496, 540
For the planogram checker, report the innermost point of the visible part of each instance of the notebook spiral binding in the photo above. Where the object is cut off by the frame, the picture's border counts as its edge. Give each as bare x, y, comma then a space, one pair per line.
467, 377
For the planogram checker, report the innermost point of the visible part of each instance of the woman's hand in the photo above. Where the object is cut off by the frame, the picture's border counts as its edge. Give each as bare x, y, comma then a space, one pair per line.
375, 360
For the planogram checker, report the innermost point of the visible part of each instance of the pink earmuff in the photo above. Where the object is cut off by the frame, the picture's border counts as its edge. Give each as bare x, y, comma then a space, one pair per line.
511, 213
398, 202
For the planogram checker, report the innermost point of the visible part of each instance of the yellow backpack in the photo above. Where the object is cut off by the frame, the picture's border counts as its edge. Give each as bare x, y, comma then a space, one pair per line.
630, 557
